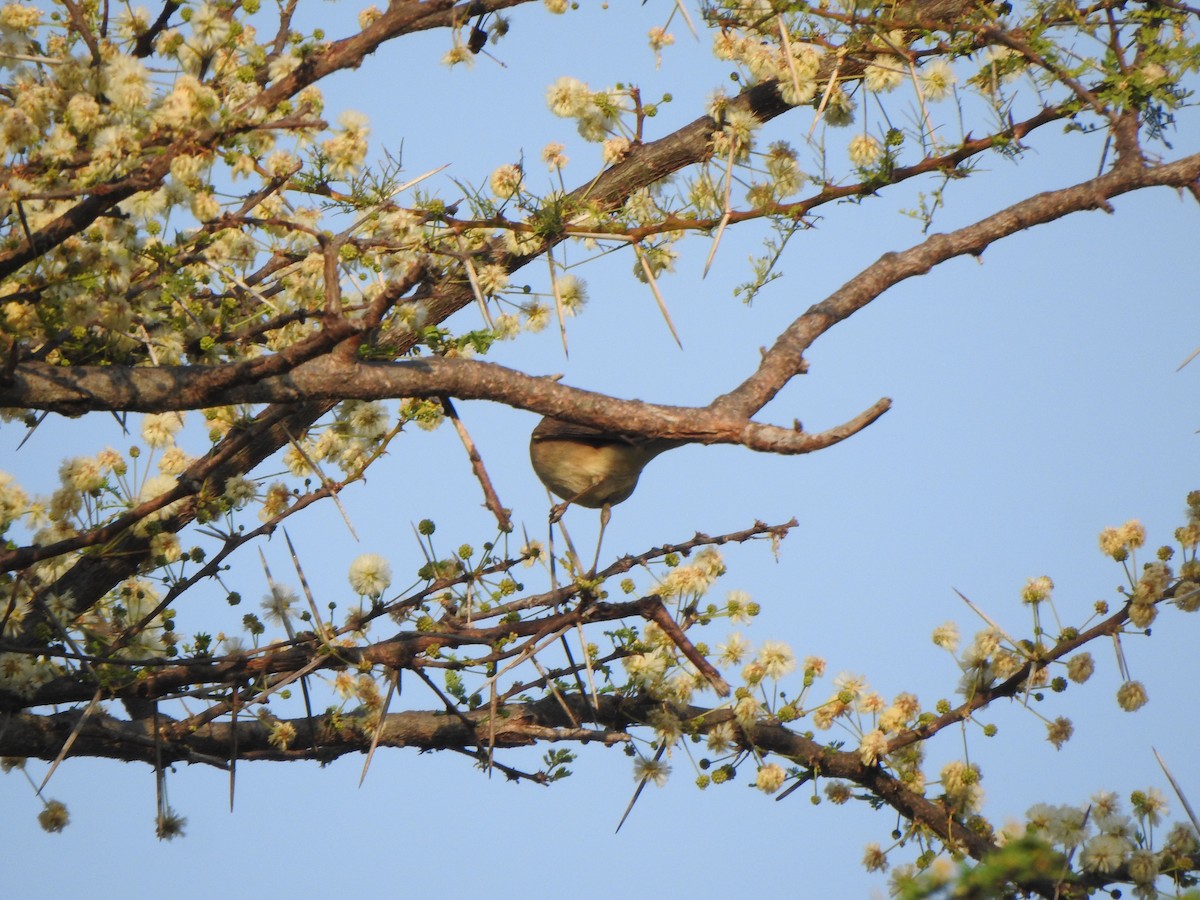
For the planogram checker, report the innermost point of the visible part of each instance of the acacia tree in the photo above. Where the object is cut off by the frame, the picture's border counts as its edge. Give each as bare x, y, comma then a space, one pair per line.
203, 240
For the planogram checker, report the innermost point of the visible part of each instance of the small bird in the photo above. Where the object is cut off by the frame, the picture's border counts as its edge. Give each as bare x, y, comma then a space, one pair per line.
592, 468
587, 466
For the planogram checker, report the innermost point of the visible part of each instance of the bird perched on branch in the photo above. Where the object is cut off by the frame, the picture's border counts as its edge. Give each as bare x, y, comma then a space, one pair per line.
587, 466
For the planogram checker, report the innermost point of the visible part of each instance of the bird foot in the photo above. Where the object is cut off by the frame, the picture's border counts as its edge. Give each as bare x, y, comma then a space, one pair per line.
557, 511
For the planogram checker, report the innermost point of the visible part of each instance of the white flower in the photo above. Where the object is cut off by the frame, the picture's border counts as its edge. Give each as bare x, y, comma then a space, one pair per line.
776, 658
654, 770
769, 778
125, 84
568, 97
1104, 853
873, 746
946, 636
734, 650
370, 575
864, 150
937, 80
158, 430
239, 491
278, 604
506, 181
883, 78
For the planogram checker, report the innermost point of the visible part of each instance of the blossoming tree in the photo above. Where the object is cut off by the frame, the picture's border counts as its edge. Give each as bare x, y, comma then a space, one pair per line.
183, 231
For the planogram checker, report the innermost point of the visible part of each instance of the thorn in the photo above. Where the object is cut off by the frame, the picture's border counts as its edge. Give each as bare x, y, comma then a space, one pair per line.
638, 792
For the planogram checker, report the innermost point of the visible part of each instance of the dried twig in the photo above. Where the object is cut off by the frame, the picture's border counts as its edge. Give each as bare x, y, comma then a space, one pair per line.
490, 497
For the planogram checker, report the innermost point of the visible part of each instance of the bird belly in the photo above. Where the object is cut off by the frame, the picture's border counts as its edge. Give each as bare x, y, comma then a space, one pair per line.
585, 474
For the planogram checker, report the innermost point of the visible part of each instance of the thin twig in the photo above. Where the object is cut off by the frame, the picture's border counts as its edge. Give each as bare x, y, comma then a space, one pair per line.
490, 498
662, 618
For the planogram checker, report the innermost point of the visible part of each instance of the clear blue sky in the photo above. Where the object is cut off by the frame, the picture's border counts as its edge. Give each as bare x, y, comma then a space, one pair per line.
1036, 401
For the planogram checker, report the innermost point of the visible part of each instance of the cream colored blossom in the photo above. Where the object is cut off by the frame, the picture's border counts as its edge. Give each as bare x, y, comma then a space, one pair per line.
864, 151
769, 778
54, 816
82, 474
946, 636
506, 326
747, 712
84, 113
369, 15
126, 84
1149, 805
615, 149
827, 713
275, 502
646, 669
492, 278
1111, 543
239, 491
652, 770
533, 552
152, 489
13, 501
165, 546
1104, 853
20, 16
733, 650
1133, 533
506, 181
838, 792
347, 149
1037, 590
872, 747
722, 738
960, 782
660, 37
370, 575
883, 77
777, 659
874, 859
205, 206
839, 108
937, 80
737, 605
159, 429
568, 97
282, 734
572, 293
1132, 696
458, 55
553, 155
278, 604
1080, 667
174, 461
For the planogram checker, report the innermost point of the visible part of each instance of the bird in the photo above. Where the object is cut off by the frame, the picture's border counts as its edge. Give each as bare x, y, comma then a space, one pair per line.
589, 467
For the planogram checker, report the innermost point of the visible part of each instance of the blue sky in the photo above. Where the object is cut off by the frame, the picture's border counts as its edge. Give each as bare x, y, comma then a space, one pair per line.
1036, 400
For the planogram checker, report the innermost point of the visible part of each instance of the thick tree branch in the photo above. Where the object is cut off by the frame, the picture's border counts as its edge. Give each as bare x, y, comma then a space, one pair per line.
78, 389
552, 718
785, 359
74, 390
